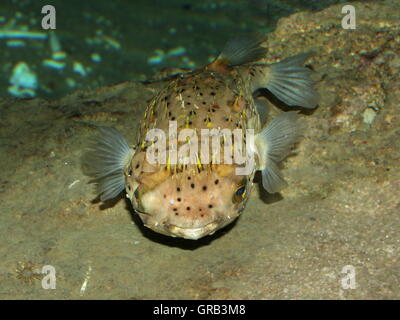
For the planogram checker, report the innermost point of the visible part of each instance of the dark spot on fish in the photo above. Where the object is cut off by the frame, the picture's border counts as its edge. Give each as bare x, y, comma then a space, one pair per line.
175, 209
165, 196
177, 213
192, 185
179, 199
130, 172
189, 178
216, 181
210, 206
178, 189
212, 93
173, 118
188, 208
137, 166
203, 102
204, 188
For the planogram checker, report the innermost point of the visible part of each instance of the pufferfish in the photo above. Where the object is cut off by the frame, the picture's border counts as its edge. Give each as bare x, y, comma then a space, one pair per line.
192, 199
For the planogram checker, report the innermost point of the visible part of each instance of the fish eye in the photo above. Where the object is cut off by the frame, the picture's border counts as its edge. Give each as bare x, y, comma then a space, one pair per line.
239, 193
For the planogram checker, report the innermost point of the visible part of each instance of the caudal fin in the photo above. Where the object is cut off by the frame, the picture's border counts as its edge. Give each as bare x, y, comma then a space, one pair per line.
290, 82
108, 156
273, 144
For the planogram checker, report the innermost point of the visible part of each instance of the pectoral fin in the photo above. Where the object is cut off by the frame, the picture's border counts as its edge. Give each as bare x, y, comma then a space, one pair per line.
108, 156
273, 144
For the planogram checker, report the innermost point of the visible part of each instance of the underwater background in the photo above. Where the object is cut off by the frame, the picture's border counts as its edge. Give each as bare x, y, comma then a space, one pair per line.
333, 233
104, 42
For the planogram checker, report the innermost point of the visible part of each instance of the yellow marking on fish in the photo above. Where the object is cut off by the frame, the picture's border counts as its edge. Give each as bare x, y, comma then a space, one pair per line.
169, 163
199, 165
235, 105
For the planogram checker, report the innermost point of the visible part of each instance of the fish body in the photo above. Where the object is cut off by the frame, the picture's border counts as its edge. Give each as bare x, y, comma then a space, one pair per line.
180, 181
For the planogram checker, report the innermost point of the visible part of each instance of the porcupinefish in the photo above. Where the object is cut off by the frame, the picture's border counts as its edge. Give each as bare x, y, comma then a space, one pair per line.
184, 195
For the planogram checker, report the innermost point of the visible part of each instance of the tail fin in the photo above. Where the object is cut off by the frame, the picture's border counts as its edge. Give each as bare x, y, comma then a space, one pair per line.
273, 144
108, 156
290, 82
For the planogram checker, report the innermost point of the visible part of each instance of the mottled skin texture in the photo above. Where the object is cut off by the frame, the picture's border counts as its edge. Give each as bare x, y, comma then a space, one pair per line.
194, 200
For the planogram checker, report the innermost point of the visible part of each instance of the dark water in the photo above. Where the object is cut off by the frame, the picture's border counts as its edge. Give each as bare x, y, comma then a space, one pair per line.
106, 42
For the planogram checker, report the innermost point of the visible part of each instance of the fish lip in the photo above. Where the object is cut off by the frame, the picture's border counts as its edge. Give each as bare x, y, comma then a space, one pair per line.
193, 233
173, 230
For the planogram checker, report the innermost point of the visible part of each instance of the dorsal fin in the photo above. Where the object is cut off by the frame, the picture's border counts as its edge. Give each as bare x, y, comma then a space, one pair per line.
243, 49
239, 50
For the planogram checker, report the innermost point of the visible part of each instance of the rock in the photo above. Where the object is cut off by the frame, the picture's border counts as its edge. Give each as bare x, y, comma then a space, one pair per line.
341, 207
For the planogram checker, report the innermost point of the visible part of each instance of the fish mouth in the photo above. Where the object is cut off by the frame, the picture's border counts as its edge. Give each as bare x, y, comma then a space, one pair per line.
182, 232
193, 233
168, 228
